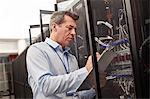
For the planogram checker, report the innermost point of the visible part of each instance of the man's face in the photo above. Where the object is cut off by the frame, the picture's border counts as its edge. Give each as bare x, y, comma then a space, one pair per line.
66, 31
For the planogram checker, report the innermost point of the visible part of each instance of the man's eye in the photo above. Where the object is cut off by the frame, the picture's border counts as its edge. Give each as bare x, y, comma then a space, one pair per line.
69, 28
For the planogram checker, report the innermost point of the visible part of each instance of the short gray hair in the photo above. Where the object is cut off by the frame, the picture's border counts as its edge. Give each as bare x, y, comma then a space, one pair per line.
58, 17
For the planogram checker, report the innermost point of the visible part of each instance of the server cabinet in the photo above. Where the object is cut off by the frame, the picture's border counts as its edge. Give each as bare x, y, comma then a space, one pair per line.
21, 88
141, 17
123, 25
111, 31
82, 40
108, 25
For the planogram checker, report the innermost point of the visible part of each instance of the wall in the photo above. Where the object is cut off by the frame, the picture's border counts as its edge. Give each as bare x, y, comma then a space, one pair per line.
8, 47
12, 46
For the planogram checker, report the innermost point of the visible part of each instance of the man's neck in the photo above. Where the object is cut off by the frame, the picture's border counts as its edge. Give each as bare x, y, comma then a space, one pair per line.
54, 39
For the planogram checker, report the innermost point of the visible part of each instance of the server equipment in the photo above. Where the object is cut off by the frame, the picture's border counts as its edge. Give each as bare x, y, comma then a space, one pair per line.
113, 26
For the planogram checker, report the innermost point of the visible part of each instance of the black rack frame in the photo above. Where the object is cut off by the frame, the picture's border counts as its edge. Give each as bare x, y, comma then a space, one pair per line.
35, 26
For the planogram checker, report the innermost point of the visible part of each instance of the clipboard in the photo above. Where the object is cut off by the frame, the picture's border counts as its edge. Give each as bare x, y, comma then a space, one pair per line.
106, 57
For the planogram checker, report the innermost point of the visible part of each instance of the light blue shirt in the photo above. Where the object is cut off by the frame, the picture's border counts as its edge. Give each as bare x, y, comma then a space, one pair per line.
52, 74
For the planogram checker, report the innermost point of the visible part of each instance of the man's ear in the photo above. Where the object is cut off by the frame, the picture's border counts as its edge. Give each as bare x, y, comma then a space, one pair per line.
54, 27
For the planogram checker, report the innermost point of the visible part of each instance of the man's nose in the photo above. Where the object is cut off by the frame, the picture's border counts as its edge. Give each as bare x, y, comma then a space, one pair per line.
73, 31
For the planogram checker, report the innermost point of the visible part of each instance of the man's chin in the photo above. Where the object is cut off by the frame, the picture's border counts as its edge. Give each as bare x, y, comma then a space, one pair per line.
69, 43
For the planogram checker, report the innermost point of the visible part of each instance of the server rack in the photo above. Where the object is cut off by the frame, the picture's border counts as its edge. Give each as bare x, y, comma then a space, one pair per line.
119, 73
44, 12
141, 17
38, 39
21, 87
119, 24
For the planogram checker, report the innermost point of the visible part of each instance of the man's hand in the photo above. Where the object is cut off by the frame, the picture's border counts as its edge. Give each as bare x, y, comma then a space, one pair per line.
89, 64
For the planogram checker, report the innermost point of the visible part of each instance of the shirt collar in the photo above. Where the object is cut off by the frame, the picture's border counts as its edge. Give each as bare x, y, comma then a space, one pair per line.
55, 45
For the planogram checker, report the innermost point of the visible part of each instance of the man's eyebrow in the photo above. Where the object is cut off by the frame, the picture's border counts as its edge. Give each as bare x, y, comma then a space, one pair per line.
71, 26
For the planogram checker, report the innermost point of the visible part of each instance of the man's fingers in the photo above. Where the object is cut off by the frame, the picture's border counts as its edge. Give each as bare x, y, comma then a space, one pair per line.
98, 56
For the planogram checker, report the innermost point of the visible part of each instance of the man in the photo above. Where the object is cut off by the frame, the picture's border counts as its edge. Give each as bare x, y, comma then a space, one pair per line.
53, 72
